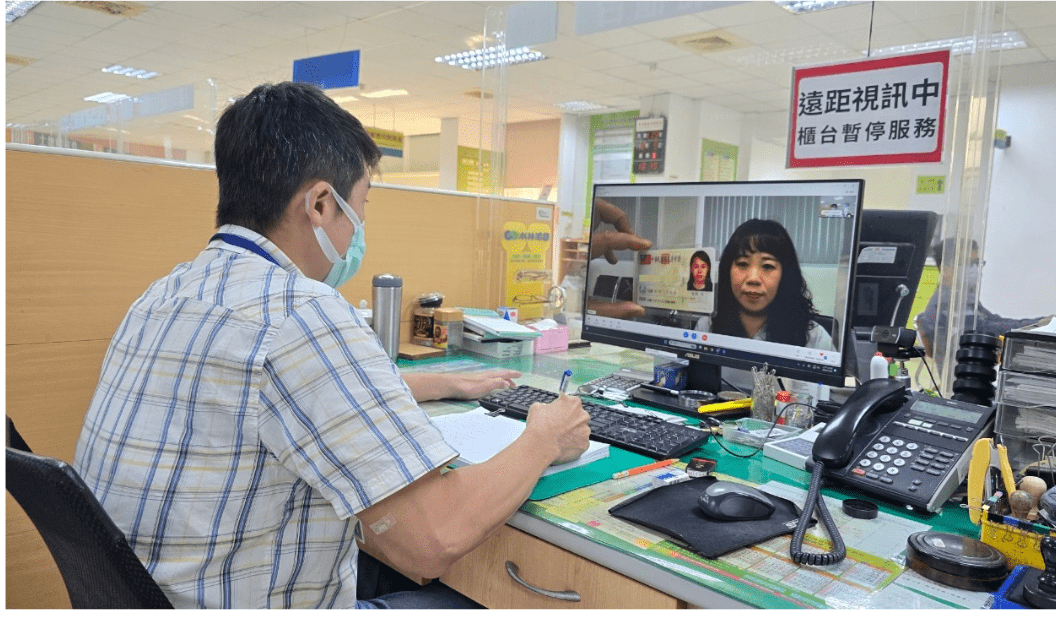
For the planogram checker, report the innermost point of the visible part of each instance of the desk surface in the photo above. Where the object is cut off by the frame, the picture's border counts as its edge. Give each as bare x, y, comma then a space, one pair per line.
762, 576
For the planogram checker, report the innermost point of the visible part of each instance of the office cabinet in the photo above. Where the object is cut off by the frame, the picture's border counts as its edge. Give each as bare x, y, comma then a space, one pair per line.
573, 255
482, 575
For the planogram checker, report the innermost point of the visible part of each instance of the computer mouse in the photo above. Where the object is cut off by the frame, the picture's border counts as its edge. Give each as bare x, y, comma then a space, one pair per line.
732, 501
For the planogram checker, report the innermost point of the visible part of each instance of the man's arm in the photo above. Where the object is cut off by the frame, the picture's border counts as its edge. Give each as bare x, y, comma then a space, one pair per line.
428, 525
435, 386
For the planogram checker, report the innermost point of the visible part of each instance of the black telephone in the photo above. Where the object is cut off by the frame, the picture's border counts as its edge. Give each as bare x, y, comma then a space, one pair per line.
906, 447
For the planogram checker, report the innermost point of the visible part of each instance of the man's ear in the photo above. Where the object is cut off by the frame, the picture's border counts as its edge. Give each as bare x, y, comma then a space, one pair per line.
318, 200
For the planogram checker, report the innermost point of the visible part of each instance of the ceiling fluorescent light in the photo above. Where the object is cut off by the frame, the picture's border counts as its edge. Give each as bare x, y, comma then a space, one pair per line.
799, 7
18, 9
344, 99
127, 71
580, 106
107, 97
477, 59
1010, 39
380, 94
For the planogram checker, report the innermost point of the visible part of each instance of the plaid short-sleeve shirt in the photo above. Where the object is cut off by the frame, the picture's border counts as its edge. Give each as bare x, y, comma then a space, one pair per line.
243, 415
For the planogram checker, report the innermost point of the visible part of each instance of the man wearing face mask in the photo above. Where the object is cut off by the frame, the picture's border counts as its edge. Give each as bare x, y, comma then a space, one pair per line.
248, 431
977, 317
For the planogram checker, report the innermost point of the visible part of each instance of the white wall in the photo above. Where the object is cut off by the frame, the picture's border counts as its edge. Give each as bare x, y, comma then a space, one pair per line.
1019, 279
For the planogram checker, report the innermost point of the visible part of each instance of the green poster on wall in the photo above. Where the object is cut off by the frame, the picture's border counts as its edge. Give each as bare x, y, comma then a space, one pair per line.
718, 161
474, 170
611, 150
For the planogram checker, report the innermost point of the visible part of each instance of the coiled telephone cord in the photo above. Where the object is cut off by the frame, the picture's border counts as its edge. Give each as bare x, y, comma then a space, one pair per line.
814, 499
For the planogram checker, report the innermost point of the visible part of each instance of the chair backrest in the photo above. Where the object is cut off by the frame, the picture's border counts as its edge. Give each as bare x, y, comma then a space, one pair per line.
98, 566
14, 438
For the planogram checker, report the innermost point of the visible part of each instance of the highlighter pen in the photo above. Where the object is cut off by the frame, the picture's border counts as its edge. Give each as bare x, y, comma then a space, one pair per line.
644, 468
744, 402
564, 380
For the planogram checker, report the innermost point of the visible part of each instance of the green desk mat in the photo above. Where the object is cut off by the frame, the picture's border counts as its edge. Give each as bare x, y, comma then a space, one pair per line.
591, 473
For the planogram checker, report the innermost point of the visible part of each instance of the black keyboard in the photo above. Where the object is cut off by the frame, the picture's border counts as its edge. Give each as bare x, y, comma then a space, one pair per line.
646, 435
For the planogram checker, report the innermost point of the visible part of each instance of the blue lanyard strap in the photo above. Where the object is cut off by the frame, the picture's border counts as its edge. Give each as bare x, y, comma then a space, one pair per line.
241, 242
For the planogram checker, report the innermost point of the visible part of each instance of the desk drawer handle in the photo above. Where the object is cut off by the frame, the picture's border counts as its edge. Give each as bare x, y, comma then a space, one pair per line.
567, 596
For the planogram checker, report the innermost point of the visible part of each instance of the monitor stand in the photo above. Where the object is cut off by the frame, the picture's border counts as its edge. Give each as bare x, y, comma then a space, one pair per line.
700, 377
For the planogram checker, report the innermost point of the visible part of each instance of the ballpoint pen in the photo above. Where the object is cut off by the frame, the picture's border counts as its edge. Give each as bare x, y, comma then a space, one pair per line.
643, 468
564, 380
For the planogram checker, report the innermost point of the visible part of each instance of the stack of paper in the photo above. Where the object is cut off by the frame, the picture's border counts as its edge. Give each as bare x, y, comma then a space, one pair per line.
478, 437
490, 326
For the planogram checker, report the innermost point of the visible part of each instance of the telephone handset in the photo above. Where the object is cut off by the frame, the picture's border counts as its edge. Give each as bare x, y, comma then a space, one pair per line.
833, 448
909, 448
835, 443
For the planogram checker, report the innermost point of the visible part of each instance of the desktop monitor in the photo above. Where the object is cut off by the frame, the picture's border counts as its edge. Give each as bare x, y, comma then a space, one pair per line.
675, 311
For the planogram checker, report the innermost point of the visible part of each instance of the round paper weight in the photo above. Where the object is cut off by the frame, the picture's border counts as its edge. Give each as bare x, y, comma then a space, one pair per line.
957, 561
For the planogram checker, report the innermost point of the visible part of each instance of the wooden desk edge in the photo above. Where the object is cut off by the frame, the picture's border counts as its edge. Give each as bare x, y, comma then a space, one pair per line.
642, 571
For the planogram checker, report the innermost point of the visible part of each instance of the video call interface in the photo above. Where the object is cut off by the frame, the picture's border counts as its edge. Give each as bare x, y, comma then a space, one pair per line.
664, 298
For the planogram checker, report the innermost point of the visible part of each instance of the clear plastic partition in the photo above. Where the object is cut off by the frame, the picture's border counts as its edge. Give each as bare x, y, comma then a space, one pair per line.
172, 123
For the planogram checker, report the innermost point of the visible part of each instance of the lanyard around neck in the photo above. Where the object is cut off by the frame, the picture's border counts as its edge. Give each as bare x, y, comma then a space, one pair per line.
241, 242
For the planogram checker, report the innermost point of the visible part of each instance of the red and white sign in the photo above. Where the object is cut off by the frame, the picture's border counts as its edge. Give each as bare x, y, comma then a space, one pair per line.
870, 112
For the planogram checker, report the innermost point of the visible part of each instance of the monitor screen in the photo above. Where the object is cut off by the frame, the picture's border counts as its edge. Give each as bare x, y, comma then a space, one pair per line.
737, 274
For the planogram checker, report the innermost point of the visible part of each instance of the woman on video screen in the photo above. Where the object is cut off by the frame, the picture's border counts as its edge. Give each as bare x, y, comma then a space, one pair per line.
699, 272
761, 291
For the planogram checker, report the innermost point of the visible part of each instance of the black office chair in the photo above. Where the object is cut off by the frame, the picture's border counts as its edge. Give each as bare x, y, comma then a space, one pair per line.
97, 564
14, 439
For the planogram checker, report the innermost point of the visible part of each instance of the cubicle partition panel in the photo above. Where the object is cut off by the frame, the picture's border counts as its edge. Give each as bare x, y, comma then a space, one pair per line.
86, 234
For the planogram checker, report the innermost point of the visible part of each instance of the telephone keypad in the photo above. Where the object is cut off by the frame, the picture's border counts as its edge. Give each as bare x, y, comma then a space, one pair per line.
888, 456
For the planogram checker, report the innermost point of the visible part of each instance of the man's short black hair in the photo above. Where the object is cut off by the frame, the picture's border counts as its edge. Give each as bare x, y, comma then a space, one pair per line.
947, 247
272, 141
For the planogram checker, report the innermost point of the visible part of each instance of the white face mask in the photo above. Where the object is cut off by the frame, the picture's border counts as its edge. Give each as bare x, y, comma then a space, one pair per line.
343, 268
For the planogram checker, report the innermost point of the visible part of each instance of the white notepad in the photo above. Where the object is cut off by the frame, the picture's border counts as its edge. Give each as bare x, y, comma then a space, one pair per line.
478, 437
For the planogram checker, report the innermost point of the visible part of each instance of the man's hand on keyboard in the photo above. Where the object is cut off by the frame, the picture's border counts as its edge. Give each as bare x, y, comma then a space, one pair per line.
465, 386
564, 423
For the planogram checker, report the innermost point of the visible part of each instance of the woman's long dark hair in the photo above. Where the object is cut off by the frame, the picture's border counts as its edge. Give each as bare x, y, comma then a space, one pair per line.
789, 316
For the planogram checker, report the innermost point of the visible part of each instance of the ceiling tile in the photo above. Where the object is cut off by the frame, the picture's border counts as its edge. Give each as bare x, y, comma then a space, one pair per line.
69, 12
786, 28
1026, 14
675, 26
1021, 56
744, 13
603, 60
651, 51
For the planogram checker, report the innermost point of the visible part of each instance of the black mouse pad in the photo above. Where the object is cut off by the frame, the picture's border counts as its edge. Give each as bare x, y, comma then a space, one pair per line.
673, 510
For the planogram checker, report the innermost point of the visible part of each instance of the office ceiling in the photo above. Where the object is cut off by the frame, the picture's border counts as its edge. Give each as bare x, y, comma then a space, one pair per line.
55, 53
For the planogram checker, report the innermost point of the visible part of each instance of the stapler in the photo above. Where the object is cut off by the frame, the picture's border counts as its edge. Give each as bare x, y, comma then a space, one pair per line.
985, 456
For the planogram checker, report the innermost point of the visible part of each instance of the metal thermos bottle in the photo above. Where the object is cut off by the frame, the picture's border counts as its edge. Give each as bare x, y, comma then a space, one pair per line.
388, 299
